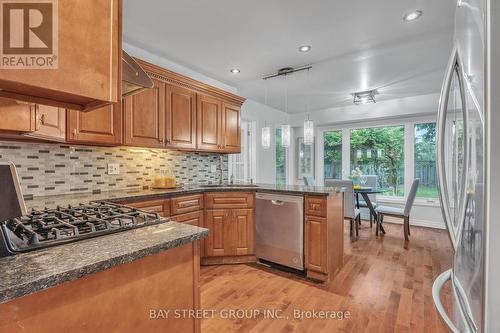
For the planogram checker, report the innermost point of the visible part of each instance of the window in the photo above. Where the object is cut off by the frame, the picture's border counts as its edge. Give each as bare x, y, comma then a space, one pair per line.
380, 151
332, 155
240, 165
425, 160
280, 160
305, 154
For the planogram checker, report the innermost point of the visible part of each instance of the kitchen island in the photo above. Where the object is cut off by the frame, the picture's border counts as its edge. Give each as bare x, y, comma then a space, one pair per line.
105, 284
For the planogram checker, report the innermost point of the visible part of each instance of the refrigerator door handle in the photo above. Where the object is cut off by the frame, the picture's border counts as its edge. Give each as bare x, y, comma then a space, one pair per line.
453, 232
436, 289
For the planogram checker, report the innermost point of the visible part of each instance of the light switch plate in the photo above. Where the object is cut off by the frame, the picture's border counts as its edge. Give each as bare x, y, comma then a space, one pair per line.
113, 168
213, 168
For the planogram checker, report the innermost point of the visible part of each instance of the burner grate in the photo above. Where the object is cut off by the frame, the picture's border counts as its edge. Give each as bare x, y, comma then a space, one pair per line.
49, 227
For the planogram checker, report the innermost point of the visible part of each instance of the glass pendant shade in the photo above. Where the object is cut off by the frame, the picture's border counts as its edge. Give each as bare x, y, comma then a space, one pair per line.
308, 132
266, 137
285, 135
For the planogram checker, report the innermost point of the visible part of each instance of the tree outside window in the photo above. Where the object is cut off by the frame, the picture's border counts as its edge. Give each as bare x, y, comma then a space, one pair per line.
380, 151
280, 160
333, 155
425, 160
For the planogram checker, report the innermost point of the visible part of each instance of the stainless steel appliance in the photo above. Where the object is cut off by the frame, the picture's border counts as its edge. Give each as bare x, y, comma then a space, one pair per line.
279, 229
134, 78
49, 227
461, 169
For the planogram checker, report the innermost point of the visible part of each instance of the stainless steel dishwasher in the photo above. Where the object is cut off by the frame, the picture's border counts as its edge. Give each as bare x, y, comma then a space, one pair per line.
279, 229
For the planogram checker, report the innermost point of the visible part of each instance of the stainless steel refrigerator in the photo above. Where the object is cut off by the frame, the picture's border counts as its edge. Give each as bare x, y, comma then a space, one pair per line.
461, 168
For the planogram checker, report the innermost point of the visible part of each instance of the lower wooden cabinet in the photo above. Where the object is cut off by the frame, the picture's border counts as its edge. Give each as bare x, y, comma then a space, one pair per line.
315, 244
231, 232
161, 206
102, 126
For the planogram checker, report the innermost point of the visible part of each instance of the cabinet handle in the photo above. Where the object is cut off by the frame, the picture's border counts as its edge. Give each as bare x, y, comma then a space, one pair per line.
74, 132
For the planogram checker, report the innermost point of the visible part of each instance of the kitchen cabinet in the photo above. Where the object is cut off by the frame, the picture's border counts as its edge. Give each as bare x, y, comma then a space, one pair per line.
229, 217
323, 235
218, 125
160, 206
231, 128
16, 116
50, 123
193, 218
87, 59
145, 117
100, 127
187, 203
210, 135
315, 249
32, 120
180, 118
166, 280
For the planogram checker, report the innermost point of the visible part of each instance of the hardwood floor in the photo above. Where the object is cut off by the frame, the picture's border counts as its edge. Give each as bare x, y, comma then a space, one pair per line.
384, 286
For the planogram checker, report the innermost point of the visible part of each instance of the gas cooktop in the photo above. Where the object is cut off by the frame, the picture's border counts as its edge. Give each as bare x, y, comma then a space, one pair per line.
50, 227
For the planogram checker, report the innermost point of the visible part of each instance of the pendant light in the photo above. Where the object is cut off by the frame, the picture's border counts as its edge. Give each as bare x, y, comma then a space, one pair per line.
308, 124
285, 128
266, 130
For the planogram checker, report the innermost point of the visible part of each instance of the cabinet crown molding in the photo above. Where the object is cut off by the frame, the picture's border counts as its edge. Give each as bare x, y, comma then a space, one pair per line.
168, 76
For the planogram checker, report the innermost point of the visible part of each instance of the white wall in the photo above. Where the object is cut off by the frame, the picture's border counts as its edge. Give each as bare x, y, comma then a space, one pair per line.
396, 108
264, 159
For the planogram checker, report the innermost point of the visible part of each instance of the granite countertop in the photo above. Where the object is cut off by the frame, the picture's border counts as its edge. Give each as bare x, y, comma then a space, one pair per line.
148, 194
27, 273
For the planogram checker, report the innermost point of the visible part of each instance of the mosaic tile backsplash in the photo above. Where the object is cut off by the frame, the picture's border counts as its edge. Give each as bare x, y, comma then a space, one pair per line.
49, 169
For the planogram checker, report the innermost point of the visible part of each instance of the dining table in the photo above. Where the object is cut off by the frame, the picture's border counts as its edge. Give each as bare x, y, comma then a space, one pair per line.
365, 192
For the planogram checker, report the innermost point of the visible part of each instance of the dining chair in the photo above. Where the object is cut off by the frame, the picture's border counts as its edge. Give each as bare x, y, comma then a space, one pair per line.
371, 181
351, 213
309, 181
403, 213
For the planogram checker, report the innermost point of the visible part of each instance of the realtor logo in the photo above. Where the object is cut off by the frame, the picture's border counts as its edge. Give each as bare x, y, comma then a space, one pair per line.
29, 38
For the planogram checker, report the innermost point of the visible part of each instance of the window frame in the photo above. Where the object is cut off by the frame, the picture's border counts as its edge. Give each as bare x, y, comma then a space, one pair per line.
409, 153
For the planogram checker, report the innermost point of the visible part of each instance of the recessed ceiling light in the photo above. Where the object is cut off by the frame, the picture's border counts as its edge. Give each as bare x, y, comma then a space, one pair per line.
412, 16
235, 71
305, 48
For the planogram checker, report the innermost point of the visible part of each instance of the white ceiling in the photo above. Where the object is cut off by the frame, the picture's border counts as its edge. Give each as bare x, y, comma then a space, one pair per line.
356, 45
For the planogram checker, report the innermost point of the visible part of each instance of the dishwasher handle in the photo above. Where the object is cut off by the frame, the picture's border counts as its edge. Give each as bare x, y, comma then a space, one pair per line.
277, 202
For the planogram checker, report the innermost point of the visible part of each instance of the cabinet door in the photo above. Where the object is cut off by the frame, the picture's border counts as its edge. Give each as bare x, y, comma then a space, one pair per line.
102, 126
145, 117
50, 123
181, 117
242, 232
231, 128
315, 244
16, 116
217, 244
209, 123
89, 51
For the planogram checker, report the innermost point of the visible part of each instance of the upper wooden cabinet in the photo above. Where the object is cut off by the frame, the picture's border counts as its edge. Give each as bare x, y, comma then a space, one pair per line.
181, 117
50, 123
209, 123
102, 126
16, 116
145, 117
231, 130
87, 42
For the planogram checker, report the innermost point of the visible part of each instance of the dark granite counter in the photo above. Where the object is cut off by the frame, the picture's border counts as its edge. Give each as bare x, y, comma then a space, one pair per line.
147, 194
27, 273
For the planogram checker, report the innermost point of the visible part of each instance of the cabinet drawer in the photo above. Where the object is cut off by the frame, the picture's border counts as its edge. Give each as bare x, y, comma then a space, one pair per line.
315, 206
186, 204
193, 218
161, 206
217, 200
